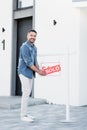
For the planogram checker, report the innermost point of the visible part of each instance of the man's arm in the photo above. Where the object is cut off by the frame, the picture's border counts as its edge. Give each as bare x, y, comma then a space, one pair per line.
27, 59
39, 71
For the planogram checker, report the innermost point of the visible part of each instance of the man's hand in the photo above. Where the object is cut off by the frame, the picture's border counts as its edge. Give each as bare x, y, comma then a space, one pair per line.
41, 72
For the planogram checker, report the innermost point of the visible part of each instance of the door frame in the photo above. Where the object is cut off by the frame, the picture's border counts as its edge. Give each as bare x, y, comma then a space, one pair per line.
14, 44
23, 25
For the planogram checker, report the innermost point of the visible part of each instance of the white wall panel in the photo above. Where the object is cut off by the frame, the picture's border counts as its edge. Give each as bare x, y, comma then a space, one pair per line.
5, 55
56, 43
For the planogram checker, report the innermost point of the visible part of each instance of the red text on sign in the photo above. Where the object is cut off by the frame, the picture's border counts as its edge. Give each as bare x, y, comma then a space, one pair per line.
52, 69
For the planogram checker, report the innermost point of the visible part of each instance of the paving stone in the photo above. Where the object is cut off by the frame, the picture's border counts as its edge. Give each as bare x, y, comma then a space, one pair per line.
47, 117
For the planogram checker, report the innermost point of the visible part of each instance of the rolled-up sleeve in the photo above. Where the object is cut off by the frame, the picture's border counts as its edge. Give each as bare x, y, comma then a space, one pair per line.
26, 56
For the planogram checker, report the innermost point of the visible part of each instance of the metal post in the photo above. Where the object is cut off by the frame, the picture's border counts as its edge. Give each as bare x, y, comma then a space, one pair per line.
67, 120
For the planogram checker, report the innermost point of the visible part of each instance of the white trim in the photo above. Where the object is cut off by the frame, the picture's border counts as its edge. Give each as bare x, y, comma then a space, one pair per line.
79, 4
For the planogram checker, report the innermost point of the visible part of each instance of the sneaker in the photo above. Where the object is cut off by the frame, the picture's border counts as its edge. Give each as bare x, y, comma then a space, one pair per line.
27, 118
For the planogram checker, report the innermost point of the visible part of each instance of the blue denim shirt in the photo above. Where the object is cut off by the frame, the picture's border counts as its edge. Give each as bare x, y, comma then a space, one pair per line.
27, 57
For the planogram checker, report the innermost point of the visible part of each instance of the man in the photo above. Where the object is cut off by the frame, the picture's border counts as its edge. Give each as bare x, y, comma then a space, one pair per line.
27, 67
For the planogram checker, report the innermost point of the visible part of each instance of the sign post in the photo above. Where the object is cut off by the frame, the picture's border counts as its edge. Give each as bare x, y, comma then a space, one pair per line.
68, 120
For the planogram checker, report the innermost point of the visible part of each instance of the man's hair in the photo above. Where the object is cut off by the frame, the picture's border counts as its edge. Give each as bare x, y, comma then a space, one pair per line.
32, 30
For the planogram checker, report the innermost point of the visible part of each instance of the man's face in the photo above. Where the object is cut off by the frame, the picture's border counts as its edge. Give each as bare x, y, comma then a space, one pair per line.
31, 37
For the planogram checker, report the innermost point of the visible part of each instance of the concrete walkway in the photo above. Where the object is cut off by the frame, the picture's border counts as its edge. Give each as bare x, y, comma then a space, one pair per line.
47, 117
14, 102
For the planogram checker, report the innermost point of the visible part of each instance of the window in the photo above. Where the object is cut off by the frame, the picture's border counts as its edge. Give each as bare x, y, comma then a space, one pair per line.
24, 3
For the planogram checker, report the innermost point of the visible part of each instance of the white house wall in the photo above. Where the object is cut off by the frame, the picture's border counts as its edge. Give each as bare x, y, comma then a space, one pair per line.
83, 56
5, 55
63, 44
58, 44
